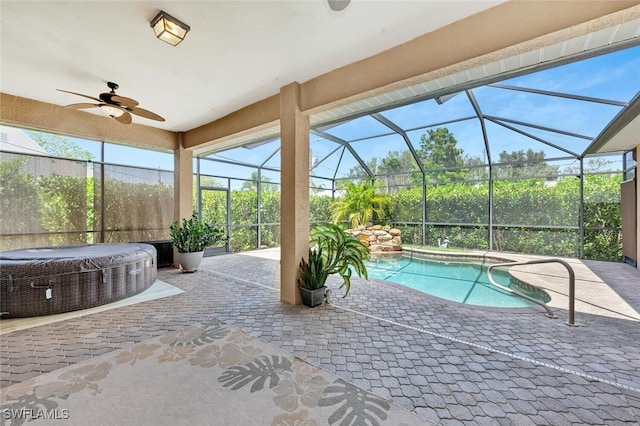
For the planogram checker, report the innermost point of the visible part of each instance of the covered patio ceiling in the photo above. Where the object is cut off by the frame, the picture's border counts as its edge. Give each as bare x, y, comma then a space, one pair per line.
239, 54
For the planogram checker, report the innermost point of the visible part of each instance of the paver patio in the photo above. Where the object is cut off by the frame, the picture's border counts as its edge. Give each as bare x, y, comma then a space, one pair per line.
447, 363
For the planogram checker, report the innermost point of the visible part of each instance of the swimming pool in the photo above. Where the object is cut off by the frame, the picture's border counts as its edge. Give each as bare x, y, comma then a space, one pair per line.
459, 280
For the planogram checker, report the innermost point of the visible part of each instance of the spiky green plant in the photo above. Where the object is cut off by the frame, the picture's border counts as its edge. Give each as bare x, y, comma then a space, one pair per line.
312, 275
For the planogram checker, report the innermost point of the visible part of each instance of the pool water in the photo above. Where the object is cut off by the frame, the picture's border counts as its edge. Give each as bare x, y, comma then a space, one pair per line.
460, 281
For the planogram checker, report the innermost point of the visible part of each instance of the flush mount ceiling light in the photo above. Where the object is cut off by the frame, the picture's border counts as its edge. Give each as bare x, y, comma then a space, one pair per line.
338, 5
169, 29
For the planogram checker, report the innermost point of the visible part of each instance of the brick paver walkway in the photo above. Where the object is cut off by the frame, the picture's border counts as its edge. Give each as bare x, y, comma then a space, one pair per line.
449, 364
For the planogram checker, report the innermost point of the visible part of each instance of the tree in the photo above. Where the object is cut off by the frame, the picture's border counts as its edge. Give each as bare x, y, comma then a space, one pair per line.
18, 199
394, 168
207, 181
357, 171
520, 164
438, 151
479, 173
265, 185
360, 204
60, 146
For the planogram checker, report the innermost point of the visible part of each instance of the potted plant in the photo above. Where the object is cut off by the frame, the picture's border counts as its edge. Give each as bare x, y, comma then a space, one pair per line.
312, 276
191, 238
333, 251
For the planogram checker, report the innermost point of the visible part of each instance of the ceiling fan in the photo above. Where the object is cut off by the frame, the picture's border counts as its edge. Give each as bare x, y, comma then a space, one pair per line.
115, 106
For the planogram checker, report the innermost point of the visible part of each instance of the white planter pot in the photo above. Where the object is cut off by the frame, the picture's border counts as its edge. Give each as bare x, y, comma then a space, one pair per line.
190, 261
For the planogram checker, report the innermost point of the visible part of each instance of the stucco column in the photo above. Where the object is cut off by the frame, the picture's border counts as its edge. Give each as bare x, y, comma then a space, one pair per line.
637, 210
294, 198
182, 186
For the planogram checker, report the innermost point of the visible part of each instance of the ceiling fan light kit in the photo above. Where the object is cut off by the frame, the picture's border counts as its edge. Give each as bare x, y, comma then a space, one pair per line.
111, 111
169, 29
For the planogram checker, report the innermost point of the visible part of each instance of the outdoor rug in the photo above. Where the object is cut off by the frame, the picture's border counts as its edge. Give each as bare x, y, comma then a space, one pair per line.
206, 374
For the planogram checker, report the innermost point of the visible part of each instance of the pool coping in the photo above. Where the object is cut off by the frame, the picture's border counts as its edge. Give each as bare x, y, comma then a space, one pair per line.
593, 295
467, 256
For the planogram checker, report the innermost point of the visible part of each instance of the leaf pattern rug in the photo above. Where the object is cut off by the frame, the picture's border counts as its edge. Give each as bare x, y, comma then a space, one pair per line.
207, 374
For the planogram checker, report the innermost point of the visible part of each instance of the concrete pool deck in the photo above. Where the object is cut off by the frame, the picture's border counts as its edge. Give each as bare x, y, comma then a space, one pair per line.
593, 294
445, 362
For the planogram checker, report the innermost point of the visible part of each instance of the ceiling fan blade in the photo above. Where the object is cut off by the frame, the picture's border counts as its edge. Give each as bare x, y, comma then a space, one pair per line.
80, 94
124, 118
126, 102
144, 113
82, 106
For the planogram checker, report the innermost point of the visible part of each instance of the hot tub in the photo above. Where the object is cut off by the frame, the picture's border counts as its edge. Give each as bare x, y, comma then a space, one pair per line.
52, 280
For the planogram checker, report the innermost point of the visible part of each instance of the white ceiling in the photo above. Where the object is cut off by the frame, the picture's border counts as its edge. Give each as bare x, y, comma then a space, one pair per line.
237, 52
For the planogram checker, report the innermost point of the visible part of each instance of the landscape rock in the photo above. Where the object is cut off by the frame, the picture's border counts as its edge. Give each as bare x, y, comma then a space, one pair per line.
379, 238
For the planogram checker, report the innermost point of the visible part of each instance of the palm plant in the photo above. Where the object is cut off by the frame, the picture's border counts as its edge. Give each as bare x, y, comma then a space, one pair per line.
360, 204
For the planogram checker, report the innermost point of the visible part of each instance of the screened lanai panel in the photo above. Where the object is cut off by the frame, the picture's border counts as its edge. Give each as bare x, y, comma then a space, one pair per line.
572, 144
429, 113
507, 146
226, 169
332, 160
543, 241
43, 201
138, 204
66, 146
350, 168
537, 202
318, 186
436, 145
324, 157
458, 203
473, 237
569, 115
384, 154
272, 160
212, 181
602, 200
598, 163
244, 203
319, 206
254, 154
270, 203
614, 76
137, 157
270, 235
268, 177
394, 182
358, 128
547, 170
567, 167
407, 205
214, 207
243, 238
